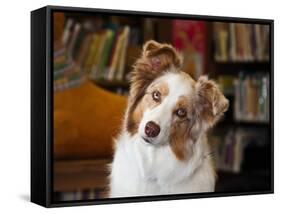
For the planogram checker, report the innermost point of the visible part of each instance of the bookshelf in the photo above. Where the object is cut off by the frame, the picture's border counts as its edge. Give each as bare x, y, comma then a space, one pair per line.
117, 42
242, 143
241, 52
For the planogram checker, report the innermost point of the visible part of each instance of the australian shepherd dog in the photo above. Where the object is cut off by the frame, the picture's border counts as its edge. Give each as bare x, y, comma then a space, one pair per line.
162, 148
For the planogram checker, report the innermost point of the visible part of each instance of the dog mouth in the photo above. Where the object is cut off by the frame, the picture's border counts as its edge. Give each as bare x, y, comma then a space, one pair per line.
152, 142
147, 140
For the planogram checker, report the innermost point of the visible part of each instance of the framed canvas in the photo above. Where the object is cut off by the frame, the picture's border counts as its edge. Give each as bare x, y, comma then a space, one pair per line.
131, 106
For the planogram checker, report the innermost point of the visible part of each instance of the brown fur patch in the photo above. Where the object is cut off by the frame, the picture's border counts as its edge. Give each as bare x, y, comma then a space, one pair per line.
148, 102
162, 87
147, 69
178, 141
180, 138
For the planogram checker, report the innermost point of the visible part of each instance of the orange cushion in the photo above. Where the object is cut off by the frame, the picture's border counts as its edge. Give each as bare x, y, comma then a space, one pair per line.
86, 119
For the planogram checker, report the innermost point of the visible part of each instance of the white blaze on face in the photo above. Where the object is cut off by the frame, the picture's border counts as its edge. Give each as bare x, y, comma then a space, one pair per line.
178, 85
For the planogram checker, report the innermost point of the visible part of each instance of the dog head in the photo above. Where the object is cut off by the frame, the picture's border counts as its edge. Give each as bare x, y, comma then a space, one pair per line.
166, 106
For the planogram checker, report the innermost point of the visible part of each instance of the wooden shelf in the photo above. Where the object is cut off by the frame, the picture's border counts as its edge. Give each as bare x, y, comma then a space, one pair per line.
112, 84
242, 62
264, 124
235, 67
80, 174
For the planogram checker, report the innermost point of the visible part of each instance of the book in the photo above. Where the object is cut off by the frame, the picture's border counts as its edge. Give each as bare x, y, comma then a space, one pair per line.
70, 47
78, 43
95, 71
106, 51
226, 83
89, 59
85, 46
67, 31
232, 54
189, 37
251, 98
221, 38
121, 67
113, 50
116, 55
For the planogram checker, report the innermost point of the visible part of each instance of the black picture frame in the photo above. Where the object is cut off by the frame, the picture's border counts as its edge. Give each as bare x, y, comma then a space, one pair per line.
42, 104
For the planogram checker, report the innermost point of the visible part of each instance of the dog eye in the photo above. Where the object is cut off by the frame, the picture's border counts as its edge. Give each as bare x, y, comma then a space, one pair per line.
156, 96
181, 112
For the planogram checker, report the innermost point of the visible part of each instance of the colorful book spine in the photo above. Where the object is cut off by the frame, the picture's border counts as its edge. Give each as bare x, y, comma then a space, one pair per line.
123, 55
251, 98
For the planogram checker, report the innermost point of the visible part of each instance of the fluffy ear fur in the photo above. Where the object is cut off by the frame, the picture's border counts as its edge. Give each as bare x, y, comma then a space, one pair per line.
210, 102
161, 56
154, 60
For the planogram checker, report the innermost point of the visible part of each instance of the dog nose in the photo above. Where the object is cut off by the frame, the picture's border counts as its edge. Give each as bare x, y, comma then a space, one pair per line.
152, 129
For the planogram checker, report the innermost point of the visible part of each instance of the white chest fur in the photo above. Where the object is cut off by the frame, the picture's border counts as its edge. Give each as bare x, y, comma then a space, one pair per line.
139, 169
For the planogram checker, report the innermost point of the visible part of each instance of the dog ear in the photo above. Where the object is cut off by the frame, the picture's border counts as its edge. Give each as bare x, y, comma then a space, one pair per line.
210, 102
161, 56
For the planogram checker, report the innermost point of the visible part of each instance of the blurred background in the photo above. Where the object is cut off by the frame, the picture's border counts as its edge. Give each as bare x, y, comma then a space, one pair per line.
92, 59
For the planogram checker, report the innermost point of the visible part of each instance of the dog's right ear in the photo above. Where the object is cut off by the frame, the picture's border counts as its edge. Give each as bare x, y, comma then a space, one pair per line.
155, 59
161, 56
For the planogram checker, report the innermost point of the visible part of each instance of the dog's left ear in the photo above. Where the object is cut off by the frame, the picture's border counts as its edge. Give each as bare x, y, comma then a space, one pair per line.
161, 56
210, 102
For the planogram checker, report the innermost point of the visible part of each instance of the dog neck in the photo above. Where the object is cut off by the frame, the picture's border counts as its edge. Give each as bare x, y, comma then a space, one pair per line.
159, 164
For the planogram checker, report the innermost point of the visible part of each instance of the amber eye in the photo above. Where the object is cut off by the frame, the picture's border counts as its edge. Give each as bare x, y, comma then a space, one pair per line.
181, 112
156, 96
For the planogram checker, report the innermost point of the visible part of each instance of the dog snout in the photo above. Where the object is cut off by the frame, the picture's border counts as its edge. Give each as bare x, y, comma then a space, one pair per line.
152, 129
